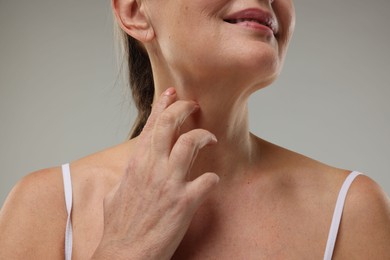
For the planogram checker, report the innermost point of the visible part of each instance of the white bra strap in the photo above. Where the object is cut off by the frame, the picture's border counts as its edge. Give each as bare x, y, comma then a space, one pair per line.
68, 201
338, 211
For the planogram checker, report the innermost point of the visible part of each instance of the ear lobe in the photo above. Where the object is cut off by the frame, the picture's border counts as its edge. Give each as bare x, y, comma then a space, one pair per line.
131, 18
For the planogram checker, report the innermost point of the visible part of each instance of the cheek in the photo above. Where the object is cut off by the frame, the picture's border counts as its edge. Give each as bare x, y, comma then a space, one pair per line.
188, 36
285, 12
186, 21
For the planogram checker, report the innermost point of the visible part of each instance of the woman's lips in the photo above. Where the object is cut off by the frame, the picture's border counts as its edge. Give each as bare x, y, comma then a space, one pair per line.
256, 26
254, 18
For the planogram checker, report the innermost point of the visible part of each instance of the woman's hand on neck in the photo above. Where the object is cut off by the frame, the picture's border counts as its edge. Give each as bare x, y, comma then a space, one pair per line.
223, 111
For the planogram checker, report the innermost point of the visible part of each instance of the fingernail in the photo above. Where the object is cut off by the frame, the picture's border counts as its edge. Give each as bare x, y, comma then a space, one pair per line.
169, 92
214, 138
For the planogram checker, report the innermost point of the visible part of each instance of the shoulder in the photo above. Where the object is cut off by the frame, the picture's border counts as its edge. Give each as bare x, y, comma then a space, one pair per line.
33, 215
35, 192
365, 226
93, 176
304, 173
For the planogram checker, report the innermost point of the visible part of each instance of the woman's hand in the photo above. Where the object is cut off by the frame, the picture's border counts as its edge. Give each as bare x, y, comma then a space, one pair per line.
148, 213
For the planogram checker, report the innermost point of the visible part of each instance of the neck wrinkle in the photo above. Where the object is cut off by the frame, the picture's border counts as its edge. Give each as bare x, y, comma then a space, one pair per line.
223, 111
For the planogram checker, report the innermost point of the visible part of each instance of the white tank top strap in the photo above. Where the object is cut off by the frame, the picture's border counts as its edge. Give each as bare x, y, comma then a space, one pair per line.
338, 211
68, 200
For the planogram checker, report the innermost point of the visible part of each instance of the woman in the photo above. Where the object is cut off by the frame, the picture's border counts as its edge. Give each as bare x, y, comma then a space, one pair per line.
193, 183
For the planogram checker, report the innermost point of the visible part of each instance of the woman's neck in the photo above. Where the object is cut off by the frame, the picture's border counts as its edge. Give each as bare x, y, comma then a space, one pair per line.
223, 112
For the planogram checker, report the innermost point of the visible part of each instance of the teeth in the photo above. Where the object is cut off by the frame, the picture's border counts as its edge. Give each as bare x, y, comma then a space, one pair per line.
268, 22
234, 21
246, 20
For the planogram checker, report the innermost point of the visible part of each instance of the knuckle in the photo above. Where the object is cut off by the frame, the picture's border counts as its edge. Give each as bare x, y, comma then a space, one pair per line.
183, 203
148, 126
187, 140
162, 102
166, 119
186, 105
177, 199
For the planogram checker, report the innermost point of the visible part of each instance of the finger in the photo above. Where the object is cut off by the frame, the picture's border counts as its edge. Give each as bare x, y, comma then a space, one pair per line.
186, 148
199, 188
165, 100
167, 125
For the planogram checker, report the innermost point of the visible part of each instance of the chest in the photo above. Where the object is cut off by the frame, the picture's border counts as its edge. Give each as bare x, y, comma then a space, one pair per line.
281, 231
250, 234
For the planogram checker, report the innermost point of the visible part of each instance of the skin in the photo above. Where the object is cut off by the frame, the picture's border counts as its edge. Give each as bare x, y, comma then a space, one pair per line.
191, 186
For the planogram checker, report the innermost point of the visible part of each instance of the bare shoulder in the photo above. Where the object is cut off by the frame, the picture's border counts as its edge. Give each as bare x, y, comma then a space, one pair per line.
365, 226
301, 168
95, 175
364, 231
33, 216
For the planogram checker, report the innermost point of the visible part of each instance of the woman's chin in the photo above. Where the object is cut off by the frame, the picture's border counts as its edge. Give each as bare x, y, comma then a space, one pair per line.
261, 73
252, 71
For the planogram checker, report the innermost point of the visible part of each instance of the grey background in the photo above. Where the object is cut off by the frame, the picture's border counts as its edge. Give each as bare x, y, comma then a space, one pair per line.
60, 98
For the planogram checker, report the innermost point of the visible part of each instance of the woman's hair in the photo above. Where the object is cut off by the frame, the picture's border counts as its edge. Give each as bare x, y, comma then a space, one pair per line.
140, 78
